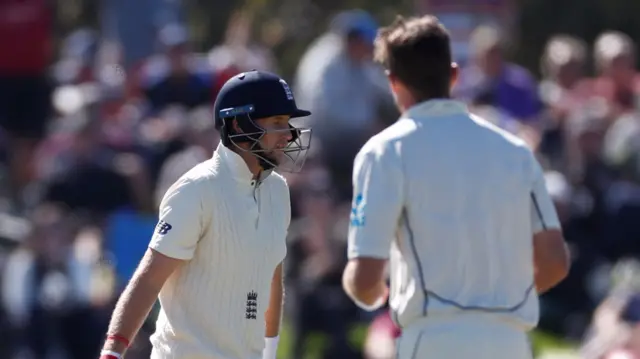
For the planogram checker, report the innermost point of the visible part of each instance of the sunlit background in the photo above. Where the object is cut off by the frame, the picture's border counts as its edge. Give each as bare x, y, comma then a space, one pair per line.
104, 103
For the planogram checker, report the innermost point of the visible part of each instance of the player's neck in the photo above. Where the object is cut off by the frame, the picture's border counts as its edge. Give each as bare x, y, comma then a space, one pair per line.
404, 104
252, 163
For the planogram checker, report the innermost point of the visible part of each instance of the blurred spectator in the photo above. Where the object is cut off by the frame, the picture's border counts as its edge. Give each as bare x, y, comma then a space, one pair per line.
491, 79
622, 196
92, 177
77, 53
239, 52
563, 66
586, 129
176, 76
315, 260
202, 139
617, 81
55, 289
25, 88
615, 330
566, 309
345, 91
590, 177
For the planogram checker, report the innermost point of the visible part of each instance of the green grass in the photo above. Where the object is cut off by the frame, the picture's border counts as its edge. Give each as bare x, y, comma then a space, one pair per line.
316, 342
541, 342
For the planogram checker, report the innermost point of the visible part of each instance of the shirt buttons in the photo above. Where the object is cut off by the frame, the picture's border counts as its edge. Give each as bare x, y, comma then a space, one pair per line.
253, 183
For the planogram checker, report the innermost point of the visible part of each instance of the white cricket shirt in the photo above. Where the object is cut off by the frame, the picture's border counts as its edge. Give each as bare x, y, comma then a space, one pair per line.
454, 202
232, 234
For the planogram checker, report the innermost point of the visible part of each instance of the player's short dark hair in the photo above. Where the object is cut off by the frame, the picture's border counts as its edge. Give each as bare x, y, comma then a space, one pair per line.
417, 51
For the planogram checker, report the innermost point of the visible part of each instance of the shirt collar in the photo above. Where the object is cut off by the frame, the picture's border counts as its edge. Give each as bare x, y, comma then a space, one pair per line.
437, 107
237, 167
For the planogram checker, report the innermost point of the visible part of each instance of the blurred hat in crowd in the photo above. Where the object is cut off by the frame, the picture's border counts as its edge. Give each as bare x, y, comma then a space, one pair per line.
485, 38
557, 186
173, 35
610, 45
355, 22
560, 51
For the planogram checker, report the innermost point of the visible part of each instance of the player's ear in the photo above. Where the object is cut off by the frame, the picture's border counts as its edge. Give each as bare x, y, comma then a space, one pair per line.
393, 81
455, 72
234, 125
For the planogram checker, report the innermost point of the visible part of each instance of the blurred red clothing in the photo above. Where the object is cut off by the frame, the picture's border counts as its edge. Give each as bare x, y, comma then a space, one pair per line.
25, 37
620, 354
222, 76
621, 97
383, 323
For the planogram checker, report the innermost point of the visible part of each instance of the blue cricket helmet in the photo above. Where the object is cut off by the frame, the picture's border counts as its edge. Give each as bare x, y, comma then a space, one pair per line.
249, 97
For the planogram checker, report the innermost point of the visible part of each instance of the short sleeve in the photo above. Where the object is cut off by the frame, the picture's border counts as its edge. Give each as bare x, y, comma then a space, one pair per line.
543, 211
377, 202
179, 224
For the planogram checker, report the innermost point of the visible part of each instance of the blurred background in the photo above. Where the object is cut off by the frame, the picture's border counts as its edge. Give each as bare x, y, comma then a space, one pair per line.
104, 103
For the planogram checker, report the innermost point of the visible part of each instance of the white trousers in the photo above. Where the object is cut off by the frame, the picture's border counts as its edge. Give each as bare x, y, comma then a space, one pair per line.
461, 337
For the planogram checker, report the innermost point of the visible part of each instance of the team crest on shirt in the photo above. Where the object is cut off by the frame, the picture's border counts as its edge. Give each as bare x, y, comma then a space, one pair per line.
163, 227
287, 89
357, 217
252, 305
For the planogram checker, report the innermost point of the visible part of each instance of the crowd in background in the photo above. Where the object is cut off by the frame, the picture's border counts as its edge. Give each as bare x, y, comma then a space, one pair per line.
89, 145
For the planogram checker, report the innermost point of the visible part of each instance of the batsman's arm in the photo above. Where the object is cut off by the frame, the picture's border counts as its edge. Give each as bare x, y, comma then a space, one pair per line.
377, 205
273, 316
138, 298
173, 243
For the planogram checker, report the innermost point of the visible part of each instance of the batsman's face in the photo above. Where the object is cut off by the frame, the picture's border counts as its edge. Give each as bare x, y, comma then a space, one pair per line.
277, 134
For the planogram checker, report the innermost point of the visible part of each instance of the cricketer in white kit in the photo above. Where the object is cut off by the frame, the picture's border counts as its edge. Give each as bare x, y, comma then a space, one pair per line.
215, 259
457, 206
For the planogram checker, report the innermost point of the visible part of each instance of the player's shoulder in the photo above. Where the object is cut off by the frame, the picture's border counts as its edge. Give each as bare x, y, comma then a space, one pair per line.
505, 144
198, 176
202, 172
389, 140
277, 182
499, 134
276, 185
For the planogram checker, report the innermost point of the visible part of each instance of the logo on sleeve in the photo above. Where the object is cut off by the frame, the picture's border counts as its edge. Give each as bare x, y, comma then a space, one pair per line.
163, 227
357, 217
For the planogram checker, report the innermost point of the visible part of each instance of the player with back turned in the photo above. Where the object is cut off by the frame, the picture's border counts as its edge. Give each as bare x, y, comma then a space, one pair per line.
457, 206
215, 259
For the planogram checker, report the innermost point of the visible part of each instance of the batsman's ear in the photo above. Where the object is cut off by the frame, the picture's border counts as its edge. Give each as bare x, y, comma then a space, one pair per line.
234, 124
393, 81
455, 73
